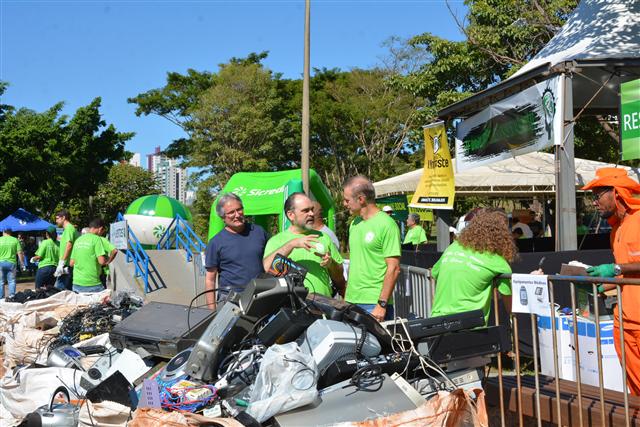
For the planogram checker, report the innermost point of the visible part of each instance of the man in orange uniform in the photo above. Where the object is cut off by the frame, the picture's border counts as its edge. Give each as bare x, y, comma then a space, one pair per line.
614, 198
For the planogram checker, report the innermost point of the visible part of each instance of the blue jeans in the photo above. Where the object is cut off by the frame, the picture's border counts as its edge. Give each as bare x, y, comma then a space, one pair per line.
88, 289
7, 274
369, 308
45, 277
64, 282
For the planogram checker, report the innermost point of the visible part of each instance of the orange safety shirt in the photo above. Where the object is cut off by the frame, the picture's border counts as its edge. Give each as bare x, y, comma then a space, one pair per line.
625, 242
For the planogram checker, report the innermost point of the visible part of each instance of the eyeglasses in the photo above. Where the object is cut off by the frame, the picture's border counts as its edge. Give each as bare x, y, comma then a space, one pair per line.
599, 195
238, 211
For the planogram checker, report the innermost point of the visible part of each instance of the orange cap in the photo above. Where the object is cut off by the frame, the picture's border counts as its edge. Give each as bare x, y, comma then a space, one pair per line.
613, 177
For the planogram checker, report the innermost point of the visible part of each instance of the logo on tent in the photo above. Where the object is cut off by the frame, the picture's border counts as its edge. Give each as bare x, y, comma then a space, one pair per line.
239, 191
22, 222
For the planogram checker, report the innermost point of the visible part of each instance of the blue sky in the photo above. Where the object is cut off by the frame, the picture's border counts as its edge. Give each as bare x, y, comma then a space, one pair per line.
74, 51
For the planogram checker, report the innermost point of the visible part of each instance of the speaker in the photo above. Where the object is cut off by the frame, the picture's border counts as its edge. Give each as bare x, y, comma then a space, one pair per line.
176, 367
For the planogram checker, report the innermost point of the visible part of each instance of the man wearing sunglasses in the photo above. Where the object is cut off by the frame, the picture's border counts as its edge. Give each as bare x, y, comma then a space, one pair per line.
616, 199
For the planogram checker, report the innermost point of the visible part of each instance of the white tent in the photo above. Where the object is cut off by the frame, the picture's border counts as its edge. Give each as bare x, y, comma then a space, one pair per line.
529, 174
596, 50
600, 42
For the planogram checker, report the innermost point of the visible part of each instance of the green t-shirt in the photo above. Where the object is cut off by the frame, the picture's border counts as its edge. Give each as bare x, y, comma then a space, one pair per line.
69, 234
86, 269
9, 248
415, 236
464, 280
108, 247
48, 251
370, 242
317, 279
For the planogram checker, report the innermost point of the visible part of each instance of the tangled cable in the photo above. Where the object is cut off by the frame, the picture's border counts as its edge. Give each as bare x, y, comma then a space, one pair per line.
91, 321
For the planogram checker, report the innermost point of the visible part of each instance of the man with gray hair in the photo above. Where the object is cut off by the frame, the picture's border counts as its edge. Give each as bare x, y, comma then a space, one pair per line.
415, 233
374, 245
233, 256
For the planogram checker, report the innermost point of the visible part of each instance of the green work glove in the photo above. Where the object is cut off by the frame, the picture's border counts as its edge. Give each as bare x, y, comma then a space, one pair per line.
602, 270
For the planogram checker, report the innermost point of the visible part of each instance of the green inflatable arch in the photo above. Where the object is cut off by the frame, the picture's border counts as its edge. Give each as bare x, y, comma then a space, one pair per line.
263, 195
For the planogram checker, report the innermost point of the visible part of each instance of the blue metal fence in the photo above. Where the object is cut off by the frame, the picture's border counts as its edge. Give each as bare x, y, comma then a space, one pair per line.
180, 235
135, 253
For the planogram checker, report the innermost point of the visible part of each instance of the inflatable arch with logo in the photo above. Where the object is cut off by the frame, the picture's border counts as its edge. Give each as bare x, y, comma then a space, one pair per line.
263, 195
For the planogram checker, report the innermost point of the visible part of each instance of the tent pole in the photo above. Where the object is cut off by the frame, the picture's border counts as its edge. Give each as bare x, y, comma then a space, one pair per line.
304, 164
442, 229
566, 234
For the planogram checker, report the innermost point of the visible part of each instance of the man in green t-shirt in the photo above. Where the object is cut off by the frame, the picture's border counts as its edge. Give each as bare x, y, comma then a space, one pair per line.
415, 233
308, 247
87, 258
47, 255
374, 245
111, 254
9, 249
64, 271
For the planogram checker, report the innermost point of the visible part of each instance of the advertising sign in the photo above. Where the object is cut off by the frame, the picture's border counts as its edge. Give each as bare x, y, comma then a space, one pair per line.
522, 123
630, 119
436, 188
118, 235
530, 294
398, 203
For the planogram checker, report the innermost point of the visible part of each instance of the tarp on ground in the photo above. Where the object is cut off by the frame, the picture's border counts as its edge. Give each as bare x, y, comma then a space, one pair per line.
532, 173
21, 221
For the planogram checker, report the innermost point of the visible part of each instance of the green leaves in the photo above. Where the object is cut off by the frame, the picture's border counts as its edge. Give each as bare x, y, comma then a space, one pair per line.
125, 183
47, 159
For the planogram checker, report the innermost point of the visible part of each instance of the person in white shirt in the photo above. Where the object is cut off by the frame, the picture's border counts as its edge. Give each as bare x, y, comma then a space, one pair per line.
318, 224
526, 231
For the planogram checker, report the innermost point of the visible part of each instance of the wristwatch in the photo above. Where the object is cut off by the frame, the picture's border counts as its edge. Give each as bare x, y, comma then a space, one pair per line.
382, 303
617, 270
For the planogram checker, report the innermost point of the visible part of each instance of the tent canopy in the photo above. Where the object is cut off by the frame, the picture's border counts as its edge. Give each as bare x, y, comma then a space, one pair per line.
263, 194
21, 221
528, 174
599, 43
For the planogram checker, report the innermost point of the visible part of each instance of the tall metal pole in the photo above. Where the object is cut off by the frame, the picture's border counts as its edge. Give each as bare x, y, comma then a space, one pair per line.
305, 101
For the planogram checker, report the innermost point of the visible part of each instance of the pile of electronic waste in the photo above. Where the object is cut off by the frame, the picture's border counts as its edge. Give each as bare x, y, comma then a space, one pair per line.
275, 355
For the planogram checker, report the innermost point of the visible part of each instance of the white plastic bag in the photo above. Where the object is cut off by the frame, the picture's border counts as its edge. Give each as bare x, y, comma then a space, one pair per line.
287, 379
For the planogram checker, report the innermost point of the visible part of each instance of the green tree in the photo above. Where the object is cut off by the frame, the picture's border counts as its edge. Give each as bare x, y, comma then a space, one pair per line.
48, 160
124, 184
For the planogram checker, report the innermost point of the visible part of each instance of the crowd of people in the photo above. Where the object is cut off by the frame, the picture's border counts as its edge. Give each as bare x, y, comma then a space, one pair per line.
74, 261
243, 251
484, 248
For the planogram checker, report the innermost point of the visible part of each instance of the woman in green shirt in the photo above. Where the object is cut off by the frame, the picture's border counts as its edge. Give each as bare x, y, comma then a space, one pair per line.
47, 254
464, 273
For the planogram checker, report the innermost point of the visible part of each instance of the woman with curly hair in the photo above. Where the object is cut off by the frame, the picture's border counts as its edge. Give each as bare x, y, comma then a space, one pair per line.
464, 273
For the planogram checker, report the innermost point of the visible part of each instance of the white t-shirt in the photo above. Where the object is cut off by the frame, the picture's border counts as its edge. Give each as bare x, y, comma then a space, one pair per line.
526, 231
326, 230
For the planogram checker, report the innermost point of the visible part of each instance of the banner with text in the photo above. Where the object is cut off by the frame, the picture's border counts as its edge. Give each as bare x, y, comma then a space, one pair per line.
436, 188
522, 123
530, 294
630, 119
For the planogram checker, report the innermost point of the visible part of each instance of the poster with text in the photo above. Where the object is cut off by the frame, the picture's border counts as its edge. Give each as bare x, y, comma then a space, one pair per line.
436, 188
522, 123
530, 294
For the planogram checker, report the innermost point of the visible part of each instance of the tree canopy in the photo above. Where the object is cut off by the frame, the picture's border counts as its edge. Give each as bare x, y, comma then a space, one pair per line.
48, 160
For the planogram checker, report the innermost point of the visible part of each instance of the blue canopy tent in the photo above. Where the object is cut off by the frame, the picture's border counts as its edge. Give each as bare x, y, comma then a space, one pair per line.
21, 221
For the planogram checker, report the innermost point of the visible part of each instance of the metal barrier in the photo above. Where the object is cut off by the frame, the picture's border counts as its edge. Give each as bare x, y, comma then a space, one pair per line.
605, 417
179, 235
135, 253
413, 293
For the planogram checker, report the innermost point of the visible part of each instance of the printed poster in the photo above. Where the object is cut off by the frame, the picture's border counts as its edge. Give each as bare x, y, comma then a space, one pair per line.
530, 294
436, 189
630, 119
522, 123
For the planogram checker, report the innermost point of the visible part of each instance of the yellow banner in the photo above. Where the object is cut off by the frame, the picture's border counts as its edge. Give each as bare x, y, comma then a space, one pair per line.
436, 188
